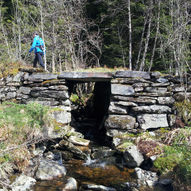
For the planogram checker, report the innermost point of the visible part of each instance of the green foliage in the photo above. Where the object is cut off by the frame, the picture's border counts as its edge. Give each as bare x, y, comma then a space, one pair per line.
74, 98
18, 115
20, 126
184, 110
169, 160
176, 156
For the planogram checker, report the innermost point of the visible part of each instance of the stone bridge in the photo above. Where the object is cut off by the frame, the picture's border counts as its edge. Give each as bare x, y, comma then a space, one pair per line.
128, 101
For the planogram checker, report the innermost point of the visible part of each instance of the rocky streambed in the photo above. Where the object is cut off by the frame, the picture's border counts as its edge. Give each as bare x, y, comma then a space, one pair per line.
75, 163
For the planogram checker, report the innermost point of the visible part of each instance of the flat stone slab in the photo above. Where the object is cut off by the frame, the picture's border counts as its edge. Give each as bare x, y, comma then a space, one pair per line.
132, 74
152, 121
86, 76
37, 77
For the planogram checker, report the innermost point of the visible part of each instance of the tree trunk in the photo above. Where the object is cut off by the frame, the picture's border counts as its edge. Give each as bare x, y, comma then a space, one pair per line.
147, 39
141, 42
156, 36
130, 35
42, 32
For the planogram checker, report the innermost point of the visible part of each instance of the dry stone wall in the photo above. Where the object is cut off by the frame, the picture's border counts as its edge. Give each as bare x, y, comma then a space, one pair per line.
143, 101
139, 100
43, 88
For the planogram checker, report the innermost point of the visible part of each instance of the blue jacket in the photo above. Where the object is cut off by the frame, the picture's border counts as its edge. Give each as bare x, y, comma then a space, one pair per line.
37, 42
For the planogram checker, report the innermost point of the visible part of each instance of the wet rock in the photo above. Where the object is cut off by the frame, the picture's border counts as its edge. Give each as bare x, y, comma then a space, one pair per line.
71, 184
146, 178
23, 183
49, 169
92, 187
152, 109
132, 156
120, 122
66, 155
77, 153
152, 121
102, 152
79, 141
120, 89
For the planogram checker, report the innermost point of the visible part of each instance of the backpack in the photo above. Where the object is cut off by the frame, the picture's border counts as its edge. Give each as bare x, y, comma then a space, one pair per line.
40, 44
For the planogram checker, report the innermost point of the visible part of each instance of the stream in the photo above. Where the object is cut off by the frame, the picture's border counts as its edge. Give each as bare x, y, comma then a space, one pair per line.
92, 171
103, 166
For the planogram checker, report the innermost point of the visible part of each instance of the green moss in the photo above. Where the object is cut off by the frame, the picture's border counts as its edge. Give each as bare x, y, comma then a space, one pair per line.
124, 145
184, 110
49, 82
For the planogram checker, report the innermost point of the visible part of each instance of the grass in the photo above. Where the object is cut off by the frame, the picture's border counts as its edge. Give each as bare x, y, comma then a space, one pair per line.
100, 69
20, 126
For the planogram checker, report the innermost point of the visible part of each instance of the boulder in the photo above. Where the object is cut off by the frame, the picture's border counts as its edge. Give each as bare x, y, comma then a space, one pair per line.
146, 178
132, 156
71, 184
49, 169
23, 183
152, 121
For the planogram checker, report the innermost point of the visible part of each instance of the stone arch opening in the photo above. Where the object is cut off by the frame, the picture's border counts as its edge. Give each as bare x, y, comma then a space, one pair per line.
90, 102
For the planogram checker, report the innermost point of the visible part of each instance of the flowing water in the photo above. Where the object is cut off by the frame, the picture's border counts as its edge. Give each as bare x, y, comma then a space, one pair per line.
92, 171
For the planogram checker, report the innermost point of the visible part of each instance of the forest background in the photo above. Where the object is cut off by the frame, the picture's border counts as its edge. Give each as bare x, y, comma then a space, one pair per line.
140, 35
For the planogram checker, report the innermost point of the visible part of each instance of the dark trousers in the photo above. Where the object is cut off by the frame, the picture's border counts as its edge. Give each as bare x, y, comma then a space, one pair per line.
38, 58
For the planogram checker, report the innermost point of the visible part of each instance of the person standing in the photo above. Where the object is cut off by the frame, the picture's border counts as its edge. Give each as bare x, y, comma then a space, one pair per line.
38, 47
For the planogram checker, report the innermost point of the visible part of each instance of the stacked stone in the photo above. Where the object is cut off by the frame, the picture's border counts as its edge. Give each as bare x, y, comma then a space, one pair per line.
43, 88
141, 101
